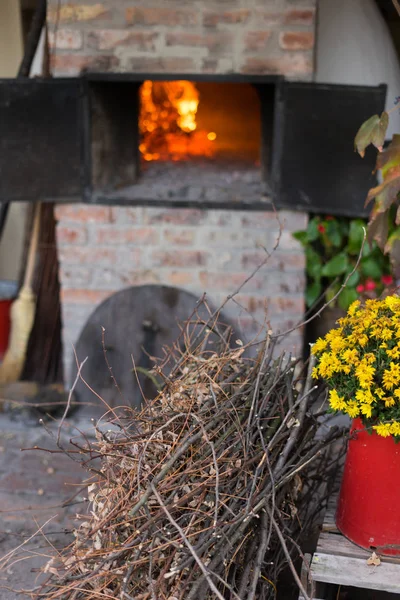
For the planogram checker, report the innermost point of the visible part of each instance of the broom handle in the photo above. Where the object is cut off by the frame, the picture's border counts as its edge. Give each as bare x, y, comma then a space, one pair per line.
32, 248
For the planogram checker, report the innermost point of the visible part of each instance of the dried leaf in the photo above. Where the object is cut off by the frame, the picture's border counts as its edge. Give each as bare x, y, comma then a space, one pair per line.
374, 560
372, 131
378, 227
390, 157
392, 247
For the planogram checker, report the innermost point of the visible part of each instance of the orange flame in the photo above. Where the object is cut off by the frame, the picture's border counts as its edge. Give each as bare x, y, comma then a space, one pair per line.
167, 122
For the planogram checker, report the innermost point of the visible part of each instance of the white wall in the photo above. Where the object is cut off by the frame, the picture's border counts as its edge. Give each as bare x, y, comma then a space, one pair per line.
11, 49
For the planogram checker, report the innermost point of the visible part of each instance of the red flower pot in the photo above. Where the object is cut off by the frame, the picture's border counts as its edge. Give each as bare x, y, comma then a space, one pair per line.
368, 509
8, 291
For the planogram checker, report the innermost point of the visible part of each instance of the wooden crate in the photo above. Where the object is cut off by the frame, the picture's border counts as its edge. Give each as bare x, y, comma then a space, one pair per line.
339, 562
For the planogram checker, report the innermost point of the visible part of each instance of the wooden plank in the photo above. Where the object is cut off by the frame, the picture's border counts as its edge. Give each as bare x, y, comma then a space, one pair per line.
338, 545
329, 521
344, 570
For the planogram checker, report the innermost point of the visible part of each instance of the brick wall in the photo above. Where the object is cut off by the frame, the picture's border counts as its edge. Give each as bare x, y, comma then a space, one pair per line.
103, 249
197, 36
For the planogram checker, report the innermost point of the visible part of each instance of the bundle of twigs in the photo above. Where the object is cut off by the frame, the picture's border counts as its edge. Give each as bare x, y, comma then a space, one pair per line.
206, 492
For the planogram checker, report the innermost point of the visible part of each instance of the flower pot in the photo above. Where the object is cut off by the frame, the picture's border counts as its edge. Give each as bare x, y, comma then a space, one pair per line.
8, 291
368, 508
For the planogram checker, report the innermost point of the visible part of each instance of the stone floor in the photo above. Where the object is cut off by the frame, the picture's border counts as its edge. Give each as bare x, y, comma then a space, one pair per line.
37, 489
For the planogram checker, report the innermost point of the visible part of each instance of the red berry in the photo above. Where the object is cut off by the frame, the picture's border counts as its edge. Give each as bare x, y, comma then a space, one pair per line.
387, 279
329, 218
360, 288
321, 228
370, 285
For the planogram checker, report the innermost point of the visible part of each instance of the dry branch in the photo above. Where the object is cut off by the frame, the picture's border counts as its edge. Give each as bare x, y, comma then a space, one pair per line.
210, 493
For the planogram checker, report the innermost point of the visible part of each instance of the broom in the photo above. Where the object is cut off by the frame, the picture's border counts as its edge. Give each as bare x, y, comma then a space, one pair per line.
22, 314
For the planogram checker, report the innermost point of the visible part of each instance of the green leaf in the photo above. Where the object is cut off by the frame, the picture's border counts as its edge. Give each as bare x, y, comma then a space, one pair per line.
312, 230
336, 266
392, 247
353, 279
372, 131
313, 292
333, 233
370, 268
347, 297
301, 236
313, 264
356, 236
332, 291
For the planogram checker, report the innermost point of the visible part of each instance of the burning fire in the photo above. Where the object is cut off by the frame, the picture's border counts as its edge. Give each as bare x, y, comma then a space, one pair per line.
167, 122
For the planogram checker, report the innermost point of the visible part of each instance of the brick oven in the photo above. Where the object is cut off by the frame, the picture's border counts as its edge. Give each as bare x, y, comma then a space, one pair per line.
105, 248
178, 141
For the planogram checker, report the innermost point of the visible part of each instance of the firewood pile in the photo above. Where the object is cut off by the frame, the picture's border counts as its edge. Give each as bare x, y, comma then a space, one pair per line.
207, 492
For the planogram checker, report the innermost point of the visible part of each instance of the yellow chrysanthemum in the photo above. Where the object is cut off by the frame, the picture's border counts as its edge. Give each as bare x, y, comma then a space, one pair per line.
336, 402
352, 409
395, 428
319, 346
393, 302
383, 429
391, 376
393, 352
353, 308
366, 410
365, 396
338, 344
350, 356
365, 374
315, 373
389, 401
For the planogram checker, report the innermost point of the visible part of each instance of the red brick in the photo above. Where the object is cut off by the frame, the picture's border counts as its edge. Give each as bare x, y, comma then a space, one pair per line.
266, 17
289, 65
253, 259
296, 40
76, 11
261, 220
256, 40
160, 16
262, 282
179, 258
66, 39
179, 278
181, 237
107, 39
272, 305
298, 16
71, 234
74, 296
75, 276
145, 277
175, 216
73, 64
162, 64
226, 282
82, 214
279, 261
125, 214
121, 236
212, 19
212, 41
86, 255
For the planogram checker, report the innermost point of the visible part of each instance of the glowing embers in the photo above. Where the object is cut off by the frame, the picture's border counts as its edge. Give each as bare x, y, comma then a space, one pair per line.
168, 125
